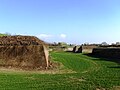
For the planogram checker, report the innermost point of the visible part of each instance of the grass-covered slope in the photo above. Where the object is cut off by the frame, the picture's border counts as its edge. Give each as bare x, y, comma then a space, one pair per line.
90, 74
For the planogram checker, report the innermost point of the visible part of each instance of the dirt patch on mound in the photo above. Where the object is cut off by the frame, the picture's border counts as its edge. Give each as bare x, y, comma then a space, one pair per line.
116, 88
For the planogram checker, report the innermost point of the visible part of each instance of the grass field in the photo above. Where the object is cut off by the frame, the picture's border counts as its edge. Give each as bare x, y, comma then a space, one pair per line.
3, 34
87, 73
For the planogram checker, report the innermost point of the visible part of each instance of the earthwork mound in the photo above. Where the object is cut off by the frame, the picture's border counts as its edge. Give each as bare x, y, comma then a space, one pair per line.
23, 52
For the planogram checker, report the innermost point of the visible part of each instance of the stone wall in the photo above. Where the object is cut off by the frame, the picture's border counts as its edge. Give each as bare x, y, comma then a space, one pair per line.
84, 49
88, 48
107, 52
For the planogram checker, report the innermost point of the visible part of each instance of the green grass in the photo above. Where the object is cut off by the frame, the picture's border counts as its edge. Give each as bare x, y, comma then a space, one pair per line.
3, 34
90, 73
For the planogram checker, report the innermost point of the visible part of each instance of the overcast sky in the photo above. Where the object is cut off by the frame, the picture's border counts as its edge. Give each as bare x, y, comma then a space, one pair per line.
72, 21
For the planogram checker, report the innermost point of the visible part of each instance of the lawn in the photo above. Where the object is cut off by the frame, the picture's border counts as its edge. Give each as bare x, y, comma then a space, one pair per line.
87, 73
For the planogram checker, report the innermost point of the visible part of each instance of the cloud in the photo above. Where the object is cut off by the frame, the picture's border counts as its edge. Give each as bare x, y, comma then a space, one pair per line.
44, 36
63, 35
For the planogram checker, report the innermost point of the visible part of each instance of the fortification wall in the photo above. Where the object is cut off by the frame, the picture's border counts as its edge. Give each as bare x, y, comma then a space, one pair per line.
107, 52
88, 48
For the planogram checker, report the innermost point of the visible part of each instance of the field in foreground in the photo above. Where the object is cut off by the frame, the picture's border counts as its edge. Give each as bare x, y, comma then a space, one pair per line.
87, 73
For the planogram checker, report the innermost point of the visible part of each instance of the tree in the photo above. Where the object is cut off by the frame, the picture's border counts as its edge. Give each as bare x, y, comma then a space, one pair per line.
117, 43
63, 44
104, 43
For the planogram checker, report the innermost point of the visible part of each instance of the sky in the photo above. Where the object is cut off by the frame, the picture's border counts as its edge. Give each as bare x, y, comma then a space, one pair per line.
71, 21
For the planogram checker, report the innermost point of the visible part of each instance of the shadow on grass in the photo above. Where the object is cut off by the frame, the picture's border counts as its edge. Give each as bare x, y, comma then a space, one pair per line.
73, 52
114, 67
116, 60
68, 51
